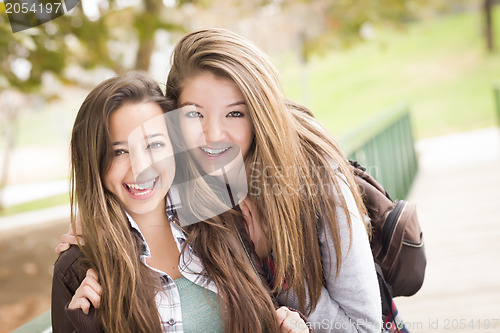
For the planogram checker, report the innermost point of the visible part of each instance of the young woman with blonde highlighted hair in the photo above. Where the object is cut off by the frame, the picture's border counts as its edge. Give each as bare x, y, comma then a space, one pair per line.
304, 211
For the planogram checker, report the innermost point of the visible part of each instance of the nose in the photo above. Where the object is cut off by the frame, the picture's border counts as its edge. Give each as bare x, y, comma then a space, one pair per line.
214, 130
140, 162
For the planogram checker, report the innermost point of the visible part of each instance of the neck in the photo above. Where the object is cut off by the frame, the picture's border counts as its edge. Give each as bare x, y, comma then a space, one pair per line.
152, 220
155, 227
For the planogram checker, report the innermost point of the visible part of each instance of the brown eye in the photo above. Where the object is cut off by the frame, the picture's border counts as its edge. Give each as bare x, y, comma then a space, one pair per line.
235, 114
119, 152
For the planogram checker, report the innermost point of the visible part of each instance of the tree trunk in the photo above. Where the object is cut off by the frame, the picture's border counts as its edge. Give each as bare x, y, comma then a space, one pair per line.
488, 8
146, 38
146, 48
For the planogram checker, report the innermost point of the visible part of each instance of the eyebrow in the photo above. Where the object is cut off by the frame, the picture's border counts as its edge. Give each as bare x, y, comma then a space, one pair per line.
201, 107
190, 103
238, 103
151, 136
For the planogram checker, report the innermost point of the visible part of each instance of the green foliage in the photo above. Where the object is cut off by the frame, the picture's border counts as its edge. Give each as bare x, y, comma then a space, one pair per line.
446, 77
344, 19
74, 38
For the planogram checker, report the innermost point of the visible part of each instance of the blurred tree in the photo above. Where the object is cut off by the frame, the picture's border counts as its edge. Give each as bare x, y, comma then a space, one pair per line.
104, 34
488, 24
87, 38
343, 23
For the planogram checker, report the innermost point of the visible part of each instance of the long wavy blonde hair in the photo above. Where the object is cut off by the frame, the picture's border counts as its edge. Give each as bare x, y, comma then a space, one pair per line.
291, 153
129, 287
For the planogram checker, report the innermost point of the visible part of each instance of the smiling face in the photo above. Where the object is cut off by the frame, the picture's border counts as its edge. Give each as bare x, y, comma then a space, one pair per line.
215, 121
142, 168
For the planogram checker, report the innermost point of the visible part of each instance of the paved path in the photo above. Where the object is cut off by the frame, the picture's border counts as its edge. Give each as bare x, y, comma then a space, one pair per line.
457, 192
30, 221
17, 194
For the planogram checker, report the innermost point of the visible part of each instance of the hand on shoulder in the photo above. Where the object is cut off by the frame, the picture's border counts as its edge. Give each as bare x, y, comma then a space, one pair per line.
89, 293
70, 238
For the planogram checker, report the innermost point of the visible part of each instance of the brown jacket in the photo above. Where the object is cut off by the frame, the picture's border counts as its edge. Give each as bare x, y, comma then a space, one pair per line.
68, 275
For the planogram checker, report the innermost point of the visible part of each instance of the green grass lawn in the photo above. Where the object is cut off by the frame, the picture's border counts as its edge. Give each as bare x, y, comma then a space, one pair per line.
439, 67
51, 201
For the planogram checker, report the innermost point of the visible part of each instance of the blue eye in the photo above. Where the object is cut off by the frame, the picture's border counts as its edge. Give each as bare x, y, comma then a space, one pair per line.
235, 114
155, 145
119, 152
193, 114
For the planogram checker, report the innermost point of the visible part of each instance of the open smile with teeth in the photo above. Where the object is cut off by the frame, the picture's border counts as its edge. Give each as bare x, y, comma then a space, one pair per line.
214, 152
143, 188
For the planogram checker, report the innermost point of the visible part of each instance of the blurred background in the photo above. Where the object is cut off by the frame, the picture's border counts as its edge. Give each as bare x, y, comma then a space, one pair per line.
349, 61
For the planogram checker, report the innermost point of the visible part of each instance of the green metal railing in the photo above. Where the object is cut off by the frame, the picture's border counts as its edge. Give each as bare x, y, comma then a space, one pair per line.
385, 146
40, 324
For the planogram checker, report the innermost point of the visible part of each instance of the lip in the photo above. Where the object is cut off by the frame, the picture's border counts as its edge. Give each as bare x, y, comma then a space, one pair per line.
142, 191
213, 153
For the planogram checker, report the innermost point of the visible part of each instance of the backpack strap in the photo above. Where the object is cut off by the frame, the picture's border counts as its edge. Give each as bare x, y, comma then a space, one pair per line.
256, 264
385, 293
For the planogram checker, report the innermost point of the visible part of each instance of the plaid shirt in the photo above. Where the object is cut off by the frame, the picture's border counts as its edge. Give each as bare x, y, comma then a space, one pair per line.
168, 300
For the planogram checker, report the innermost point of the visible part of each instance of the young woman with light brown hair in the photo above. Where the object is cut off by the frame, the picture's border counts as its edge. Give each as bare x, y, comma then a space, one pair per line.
138, 269
304, 211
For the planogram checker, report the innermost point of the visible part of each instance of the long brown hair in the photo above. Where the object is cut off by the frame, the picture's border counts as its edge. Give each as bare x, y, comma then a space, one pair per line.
127, 301
245, 301
298, 156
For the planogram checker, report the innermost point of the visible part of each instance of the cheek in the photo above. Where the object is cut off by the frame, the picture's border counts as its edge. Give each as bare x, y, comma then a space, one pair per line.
108, 182
169, 171
169, 164
164, 162
191, 133
114, 177
246, 134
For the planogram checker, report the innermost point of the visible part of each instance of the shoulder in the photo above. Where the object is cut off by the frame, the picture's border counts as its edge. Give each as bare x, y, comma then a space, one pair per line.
345, 191
69, 258
350, 222
68, 265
